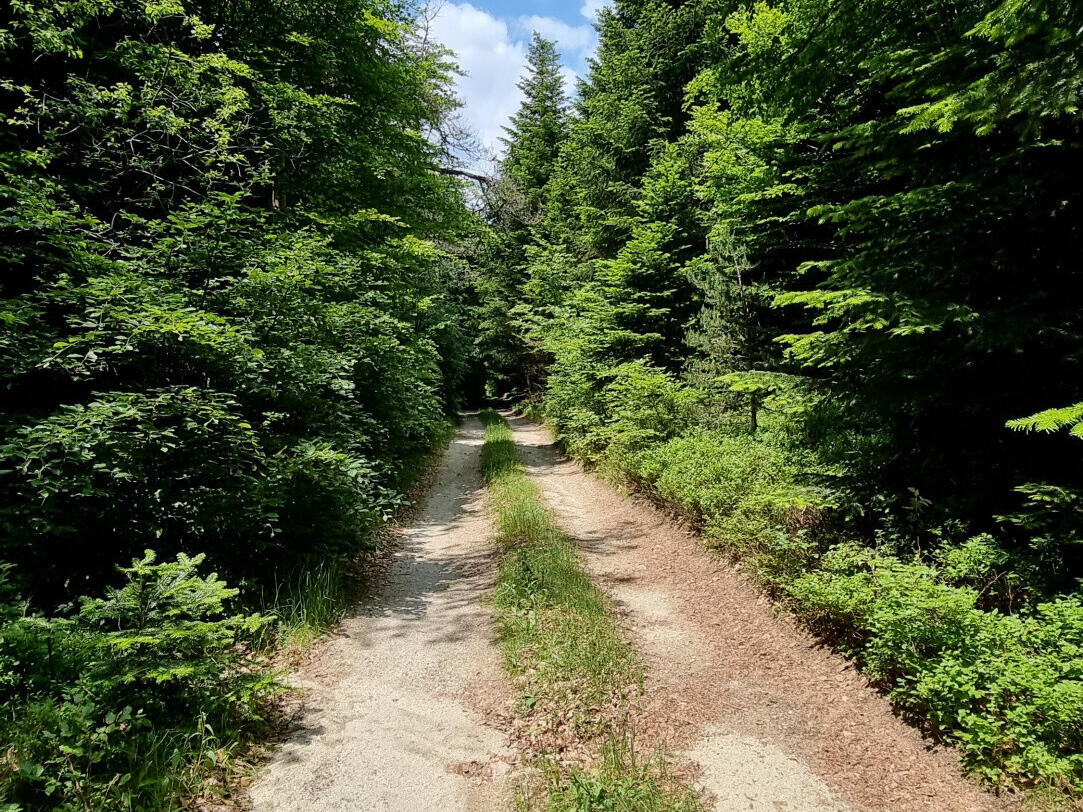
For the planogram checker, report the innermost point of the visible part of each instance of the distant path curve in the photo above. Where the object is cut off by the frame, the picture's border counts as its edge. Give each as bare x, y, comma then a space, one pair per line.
773, 720
386, 723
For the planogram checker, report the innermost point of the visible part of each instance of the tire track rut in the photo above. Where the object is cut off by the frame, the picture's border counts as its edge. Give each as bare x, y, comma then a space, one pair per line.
771, 720
386, 724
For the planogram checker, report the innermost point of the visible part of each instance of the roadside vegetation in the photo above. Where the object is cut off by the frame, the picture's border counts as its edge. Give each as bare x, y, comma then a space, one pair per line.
578, 679
834, 317
230, 328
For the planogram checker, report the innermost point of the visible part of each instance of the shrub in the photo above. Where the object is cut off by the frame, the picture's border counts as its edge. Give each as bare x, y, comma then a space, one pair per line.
109, 708
744, 492
643, 407
174, 465
1008, 689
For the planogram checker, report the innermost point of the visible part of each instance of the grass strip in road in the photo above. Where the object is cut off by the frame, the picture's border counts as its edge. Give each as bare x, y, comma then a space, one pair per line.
578, 677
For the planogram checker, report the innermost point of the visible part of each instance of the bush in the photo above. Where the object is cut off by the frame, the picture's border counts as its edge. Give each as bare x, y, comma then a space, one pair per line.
745, 494
1008, 689
643, 407
110, 707
174, 465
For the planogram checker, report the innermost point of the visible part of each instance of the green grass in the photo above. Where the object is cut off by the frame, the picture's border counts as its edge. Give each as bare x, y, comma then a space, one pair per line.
563, 646
554, 623
314, 599
415, 466
621, 783
306, 605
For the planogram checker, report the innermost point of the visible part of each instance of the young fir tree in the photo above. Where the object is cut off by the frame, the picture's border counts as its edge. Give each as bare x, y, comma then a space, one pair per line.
631, 103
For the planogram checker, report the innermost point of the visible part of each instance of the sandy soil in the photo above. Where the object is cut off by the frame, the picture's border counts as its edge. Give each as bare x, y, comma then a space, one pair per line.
772, 720
384, 724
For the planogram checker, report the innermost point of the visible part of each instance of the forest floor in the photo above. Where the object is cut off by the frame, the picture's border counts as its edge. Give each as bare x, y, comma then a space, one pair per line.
406, 707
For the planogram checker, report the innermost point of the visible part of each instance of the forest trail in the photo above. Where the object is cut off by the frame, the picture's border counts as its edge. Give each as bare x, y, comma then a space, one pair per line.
773, 721
384, 725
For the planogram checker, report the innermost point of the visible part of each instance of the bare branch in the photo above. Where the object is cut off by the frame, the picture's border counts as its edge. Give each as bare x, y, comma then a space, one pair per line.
484, 180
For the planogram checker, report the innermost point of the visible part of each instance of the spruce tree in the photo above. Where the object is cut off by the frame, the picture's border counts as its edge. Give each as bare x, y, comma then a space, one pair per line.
537, 130
533, 141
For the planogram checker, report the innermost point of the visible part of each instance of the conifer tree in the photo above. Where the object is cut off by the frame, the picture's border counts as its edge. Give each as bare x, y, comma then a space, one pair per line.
533, 141
537, 130
622, 204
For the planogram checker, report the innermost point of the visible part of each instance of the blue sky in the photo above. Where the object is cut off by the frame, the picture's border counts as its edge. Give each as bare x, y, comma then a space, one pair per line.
491, 37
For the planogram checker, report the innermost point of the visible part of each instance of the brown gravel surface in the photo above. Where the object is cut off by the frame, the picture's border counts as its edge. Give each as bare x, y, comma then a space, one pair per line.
772, 720
386, 721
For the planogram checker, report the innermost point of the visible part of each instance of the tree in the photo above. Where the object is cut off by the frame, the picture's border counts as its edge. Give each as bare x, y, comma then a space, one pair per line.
621, 210
537, 130
533, 140
228, 323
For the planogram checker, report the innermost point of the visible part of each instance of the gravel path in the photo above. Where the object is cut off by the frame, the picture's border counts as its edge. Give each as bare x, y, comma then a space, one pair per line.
385, 723
772, 720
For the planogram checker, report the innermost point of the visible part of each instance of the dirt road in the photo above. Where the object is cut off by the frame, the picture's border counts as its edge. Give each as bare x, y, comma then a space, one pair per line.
766, 719
773, 721
384, 725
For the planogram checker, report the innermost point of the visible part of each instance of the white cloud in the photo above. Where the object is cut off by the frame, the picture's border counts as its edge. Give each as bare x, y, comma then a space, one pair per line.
590, 8
571, 80
569, 37
492, 62
492, 54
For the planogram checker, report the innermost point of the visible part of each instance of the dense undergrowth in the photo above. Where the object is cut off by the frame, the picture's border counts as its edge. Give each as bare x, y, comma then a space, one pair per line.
134, 699
562, 645
230, 327
157, 691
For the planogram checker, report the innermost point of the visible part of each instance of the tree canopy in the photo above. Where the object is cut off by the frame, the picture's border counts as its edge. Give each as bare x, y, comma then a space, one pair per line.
809, 270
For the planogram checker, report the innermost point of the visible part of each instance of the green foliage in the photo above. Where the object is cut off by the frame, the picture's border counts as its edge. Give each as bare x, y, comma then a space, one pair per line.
230, 322
807, 306
228, 325
1008, 689
171, 464
537, 129
513, 207
743, 491
1070, 417
881, 183
116, 701
630, 407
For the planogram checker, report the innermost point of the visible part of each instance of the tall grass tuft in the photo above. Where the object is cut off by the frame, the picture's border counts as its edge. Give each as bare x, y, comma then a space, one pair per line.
306, 604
